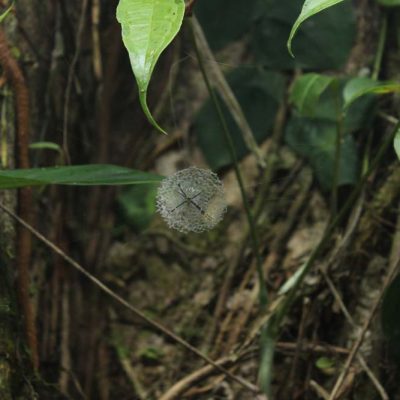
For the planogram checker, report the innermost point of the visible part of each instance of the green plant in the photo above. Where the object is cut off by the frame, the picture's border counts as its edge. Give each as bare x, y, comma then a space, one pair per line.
331, 115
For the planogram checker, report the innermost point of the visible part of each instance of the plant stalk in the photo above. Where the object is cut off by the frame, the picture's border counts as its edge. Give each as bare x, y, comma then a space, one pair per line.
229, 141
271, 329
333, 225
381, 46
338, 150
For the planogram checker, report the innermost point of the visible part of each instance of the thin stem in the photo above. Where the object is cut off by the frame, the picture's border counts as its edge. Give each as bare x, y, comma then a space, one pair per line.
161, 328
189, 8
381, 46
284, 309
338, 149
71, 74
272, 328
229, 141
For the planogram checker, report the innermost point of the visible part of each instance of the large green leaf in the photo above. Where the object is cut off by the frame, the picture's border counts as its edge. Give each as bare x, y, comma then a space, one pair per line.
316, 141
358, 87
390, 316
322, 43
259, 93
396, 143
310, 8
359, 115
315, 137
82, 175
148, 26
237, 17
307, 90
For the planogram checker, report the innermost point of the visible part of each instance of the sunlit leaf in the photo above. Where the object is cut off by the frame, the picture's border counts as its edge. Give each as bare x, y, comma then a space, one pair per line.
358, 87
5, 13
307, 90
45, 146
396, 143
310, 8
79, 175
148, 26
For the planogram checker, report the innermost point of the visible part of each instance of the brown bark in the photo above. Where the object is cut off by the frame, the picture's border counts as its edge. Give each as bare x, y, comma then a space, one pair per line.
24, 242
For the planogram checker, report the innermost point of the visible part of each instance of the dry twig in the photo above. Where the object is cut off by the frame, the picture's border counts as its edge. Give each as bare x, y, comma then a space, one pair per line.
358, 342
137, 312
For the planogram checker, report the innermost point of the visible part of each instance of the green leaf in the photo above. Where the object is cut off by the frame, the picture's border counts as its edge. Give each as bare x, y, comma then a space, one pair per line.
45, 146
314, 137
80, 175
310, 8
148, 27
390, 316
322, 43
316, 141
325, 363
5, 13
359, 115
138, 205
358, 87
259, 93
396, 143
307, 90
237, 15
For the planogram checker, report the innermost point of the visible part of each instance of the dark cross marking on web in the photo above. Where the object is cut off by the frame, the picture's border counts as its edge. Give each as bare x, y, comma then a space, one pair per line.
188, 199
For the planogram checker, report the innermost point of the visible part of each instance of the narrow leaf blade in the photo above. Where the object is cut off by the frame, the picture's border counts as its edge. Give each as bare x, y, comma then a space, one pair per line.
5, 13
310, 8
148, 26
79, 175
358, 87
396, 143
46, 146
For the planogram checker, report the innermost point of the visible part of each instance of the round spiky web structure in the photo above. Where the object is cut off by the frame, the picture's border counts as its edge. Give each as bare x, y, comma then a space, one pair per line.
191, 200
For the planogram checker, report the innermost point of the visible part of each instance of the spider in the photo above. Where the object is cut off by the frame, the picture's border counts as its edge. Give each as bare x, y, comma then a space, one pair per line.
187, 200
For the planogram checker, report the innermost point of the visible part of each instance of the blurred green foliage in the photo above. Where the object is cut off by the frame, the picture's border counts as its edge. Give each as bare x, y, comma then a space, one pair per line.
138, 205
259, 92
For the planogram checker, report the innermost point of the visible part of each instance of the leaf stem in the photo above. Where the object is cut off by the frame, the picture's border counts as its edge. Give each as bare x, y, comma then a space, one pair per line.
104, 288
229, 141
381, 46
338, 149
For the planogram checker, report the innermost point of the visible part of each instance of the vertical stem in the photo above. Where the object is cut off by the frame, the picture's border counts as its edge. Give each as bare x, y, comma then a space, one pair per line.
229, 141
381, 46
338, 148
